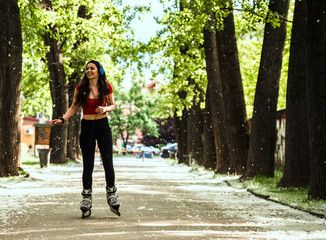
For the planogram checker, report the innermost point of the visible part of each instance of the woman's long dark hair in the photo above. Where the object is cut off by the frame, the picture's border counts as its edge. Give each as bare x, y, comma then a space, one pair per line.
84, 89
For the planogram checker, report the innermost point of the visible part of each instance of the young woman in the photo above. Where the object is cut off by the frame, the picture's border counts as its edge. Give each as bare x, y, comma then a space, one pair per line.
95, 95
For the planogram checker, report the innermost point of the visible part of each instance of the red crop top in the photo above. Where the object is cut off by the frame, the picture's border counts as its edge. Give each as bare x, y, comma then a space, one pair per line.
92, 104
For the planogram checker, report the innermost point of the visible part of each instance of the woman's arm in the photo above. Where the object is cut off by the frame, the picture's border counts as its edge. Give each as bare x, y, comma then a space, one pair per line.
110, 107
70, 112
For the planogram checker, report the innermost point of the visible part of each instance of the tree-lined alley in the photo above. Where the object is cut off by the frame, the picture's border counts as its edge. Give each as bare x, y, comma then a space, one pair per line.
222, 61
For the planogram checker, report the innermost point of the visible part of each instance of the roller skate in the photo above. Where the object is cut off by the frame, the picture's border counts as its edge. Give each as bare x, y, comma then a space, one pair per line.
113, 200
86, 203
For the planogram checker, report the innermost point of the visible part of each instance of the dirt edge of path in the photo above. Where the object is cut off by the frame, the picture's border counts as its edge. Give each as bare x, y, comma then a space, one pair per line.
268, 198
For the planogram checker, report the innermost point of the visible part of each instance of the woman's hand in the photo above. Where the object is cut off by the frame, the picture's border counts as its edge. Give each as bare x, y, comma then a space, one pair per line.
56, 122
100, 110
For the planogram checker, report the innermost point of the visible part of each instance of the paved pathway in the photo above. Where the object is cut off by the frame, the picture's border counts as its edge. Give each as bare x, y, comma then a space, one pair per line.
158, 201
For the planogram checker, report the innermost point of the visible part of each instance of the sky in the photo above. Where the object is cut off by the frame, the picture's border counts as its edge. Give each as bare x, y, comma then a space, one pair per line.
145, 29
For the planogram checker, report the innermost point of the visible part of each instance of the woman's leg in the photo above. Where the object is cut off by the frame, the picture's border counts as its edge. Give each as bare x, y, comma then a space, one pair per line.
104, 140
87, 145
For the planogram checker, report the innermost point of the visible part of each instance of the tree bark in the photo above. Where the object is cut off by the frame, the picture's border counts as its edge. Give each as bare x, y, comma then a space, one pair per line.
216, 99
180, 125
296, 167
59, 93
195, 131
235, 107
73, 150
208, 137
263, 131
10, 87
316, 85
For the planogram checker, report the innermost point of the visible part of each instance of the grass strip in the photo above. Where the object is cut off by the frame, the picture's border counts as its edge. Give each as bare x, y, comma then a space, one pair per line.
295, 197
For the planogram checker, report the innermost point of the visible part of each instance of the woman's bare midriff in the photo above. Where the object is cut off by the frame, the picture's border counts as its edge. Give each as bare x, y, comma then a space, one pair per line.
94, 116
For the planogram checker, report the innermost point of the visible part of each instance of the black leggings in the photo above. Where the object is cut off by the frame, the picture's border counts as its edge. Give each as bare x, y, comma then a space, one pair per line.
92, 130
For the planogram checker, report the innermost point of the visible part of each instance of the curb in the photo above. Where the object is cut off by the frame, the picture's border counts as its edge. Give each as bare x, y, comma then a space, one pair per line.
268, 198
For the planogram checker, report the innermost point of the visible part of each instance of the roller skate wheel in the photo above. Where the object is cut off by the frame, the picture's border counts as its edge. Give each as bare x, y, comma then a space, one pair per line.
115, 211
86, 214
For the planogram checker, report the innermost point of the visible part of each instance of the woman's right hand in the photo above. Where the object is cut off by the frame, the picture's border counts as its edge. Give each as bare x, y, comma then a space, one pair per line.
56, 122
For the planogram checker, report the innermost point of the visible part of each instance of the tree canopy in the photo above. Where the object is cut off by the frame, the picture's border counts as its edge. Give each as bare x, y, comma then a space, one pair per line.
134, 110
86, 30
183, 32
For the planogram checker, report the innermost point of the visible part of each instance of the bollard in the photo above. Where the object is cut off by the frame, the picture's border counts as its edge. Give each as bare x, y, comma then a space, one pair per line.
44, 157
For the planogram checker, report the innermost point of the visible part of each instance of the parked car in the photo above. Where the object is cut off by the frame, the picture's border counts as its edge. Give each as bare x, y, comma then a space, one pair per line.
170, 151
155, 150
146, 151
136, 148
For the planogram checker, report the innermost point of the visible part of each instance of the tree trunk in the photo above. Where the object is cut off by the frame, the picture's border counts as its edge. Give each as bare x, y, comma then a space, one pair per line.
316, 85
195, 131
10, 87
296, 167
208, 137
59, 94
73, 150
263, 131
216, 99
180, 125
235, 107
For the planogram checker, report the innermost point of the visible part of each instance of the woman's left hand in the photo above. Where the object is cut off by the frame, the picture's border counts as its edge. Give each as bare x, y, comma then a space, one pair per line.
100, 110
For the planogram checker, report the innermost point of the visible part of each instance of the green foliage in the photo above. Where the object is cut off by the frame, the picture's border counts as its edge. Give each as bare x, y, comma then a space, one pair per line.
35, 87
104, 34
249, 57
249, 47
286, 56
180, 44
249, 40
181, 56
85, 30
134, 110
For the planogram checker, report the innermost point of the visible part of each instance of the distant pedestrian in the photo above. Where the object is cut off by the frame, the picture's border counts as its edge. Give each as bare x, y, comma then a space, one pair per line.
95, 95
